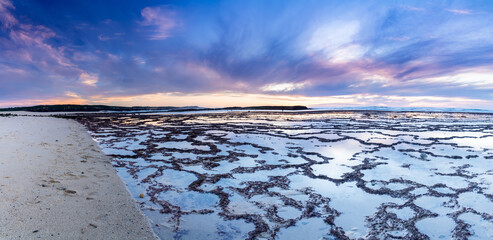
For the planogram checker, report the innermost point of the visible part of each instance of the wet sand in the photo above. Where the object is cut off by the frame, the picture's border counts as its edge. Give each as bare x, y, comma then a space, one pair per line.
55, 183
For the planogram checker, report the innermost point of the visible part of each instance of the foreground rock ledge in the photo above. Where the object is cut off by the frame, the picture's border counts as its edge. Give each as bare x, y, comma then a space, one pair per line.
55, 183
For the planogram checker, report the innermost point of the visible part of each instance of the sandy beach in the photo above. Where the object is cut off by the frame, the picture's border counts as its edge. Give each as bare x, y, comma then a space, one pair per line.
55, 183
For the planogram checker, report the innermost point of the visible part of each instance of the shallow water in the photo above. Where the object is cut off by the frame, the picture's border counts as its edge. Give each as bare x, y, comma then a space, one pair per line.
307, 175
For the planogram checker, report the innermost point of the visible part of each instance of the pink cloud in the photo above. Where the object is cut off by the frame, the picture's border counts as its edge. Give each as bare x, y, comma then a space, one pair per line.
398, 39
459, 11
369, 72
411, 8
7, 19
28, 45
88, 79
32, 39
31, 35
49, 101
8, 69
161, 19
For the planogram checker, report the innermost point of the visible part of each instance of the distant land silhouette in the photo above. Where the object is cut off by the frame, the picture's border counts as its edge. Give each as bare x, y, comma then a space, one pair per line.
97, 108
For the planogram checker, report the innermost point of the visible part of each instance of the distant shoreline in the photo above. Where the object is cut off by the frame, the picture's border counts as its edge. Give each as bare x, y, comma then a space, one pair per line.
103, 109
100, 108
222, 112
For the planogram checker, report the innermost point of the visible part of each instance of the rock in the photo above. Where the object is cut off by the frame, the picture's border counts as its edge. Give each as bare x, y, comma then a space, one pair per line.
70, 191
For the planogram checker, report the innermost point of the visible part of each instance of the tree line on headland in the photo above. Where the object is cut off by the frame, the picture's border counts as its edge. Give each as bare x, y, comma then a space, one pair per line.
98, 108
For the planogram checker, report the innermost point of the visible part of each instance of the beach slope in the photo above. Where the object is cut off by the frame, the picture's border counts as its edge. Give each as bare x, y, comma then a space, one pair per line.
55, 183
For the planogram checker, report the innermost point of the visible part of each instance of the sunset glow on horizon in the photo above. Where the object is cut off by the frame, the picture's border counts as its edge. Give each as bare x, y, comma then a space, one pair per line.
246, 53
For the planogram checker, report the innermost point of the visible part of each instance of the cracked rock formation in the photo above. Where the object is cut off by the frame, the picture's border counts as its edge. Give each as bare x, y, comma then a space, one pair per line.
325, 175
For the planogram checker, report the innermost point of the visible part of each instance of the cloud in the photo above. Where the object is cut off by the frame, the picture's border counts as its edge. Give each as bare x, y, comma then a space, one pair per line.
161, 19
72, 94
88, 79
139, 60
282, 87
32, 47
42, 101
402, 38
105, 38
28, 42
459, 11
275, 48
475, 78
337, 41
411, 8
33, 64
7, 19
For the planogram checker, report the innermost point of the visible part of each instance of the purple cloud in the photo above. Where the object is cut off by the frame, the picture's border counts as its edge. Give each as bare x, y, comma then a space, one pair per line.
7, 19
279, 48
459, 11
161, 19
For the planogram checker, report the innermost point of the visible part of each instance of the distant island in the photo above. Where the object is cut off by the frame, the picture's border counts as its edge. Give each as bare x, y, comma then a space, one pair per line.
98, 108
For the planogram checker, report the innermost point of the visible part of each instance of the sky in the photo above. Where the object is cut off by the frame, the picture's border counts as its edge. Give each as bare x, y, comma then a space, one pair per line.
245, 53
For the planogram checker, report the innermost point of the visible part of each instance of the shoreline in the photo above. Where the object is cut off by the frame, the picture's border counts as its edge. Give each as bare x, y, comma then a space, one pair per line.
398, 111
56, 183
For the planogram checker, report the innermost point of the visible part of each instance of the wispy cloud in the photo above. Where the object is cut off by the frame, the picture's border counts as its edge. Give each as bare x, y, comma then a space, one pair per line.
30, 41
401, 38
411, 8
39, 101
283, 87
475, 78
283, 49
88, 79
161, 19
337, 41
7, 19
459, 11
71, 94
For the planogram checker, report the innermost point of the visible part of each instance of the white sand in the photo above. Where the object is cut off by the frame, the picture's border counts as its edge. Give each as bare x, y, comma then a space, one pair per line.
55, 183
